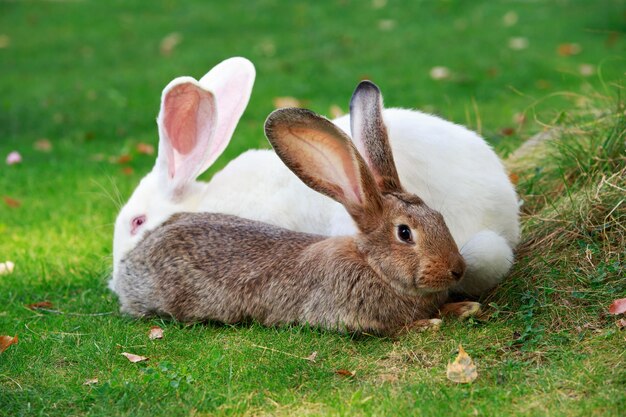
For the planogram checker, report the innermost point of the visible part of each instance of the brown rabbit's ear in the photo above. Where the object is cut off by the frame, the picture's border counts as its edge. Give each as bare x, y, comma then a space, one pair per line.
325, 159
369, 134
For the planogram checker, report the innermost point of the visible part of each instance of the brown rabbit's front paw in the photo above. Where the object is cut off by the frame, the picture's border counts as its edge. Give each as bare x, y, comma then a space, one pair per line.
423, 325
462, 310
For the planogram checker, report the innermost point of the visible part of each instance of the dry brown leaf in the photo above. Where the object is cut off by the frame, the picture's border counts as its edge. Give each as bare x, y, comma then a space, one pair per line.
514, 178
11, 202
568, 49
280, 102
134, 358
462, 370
169, 43
507, 131
145, 148
43, 145
618, 306
345, 373
91, 381
155, 333
124, 159
312, 357
40, 304
6, 341
621, 323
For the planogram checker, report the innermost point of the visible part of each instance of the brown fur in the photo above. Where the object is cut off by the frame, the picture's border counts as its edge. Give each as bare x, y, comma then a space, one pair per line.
224, 268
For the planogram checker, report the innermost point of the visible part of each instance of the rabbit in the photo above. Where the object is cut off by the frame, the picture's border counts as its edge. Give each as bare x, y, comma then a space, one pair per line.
196, 122
450, 167
395, 270
453, 169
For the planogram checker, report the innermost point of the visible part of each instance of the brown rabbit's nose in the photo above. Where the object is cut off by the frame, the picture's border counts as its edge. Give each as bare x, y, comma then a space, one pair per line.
458, 268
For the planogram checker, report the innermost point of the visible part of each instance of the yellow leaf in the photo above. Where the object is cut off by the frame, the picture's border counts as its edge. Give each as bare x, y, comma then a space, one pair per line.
462, 370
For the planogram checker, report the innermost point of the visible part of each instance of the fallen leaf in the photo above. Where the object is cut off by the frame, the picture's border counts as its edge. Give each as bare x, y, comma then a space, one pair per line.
439, 73
40, 304
43, 145
618, 306
6, 267
312, 357
124, 159
568, 49
127, 171
14, 158
11, 202
379, 4
509, 19
543, 84
345, 373
621, 323
5, 41
170, 42
134, 358
514, 178
145, 148
6, 341
462, 370
91, 381
335, 111
519, 118
155, 333
386, 24
518, 43
280, 102
586, 70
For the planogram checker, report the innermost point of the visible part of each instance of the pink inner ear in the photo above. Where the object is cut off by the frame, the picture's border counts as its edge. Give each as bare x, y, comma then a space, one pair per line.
331, 162
188, 121
181, 108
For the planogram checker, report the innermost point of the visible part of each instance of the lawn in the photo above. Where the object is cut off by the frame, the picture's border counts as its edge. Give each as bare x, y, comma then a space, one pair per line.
80, 86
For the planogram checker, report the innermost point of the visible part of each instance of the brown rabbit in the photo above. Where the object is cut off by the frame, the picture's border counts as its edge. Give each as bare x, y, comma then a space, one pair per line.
395, 271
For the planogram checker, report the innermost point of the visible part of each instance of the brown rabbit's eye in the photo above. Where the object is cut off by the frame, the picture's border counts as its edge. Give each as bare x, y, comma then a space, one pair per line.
404, 233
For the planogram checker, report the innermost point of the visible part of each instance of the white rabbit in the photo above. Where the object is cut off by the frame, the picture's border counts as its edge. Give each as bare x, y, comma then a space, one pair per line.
452, 168
196, 122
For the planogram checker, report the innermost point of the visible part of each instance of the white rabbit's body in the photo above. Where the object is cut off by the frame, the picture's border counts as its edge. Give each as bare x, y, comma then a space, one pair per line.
450, 167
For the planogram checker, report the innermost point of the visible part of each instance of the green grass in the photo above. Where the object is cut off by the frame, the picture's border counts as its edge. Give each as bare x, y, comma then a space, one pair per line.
87, 75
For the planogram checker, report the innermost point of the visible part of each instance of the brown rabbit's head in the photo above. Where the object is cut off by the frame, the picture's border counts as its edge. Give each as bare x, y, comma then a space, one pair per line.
406, 242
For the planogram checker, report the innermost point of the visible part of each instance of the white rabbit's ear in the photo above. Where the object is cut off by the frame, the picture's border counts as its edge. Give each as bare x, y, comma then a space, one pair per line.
231, 81
187, 129
325, 159
369, 134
